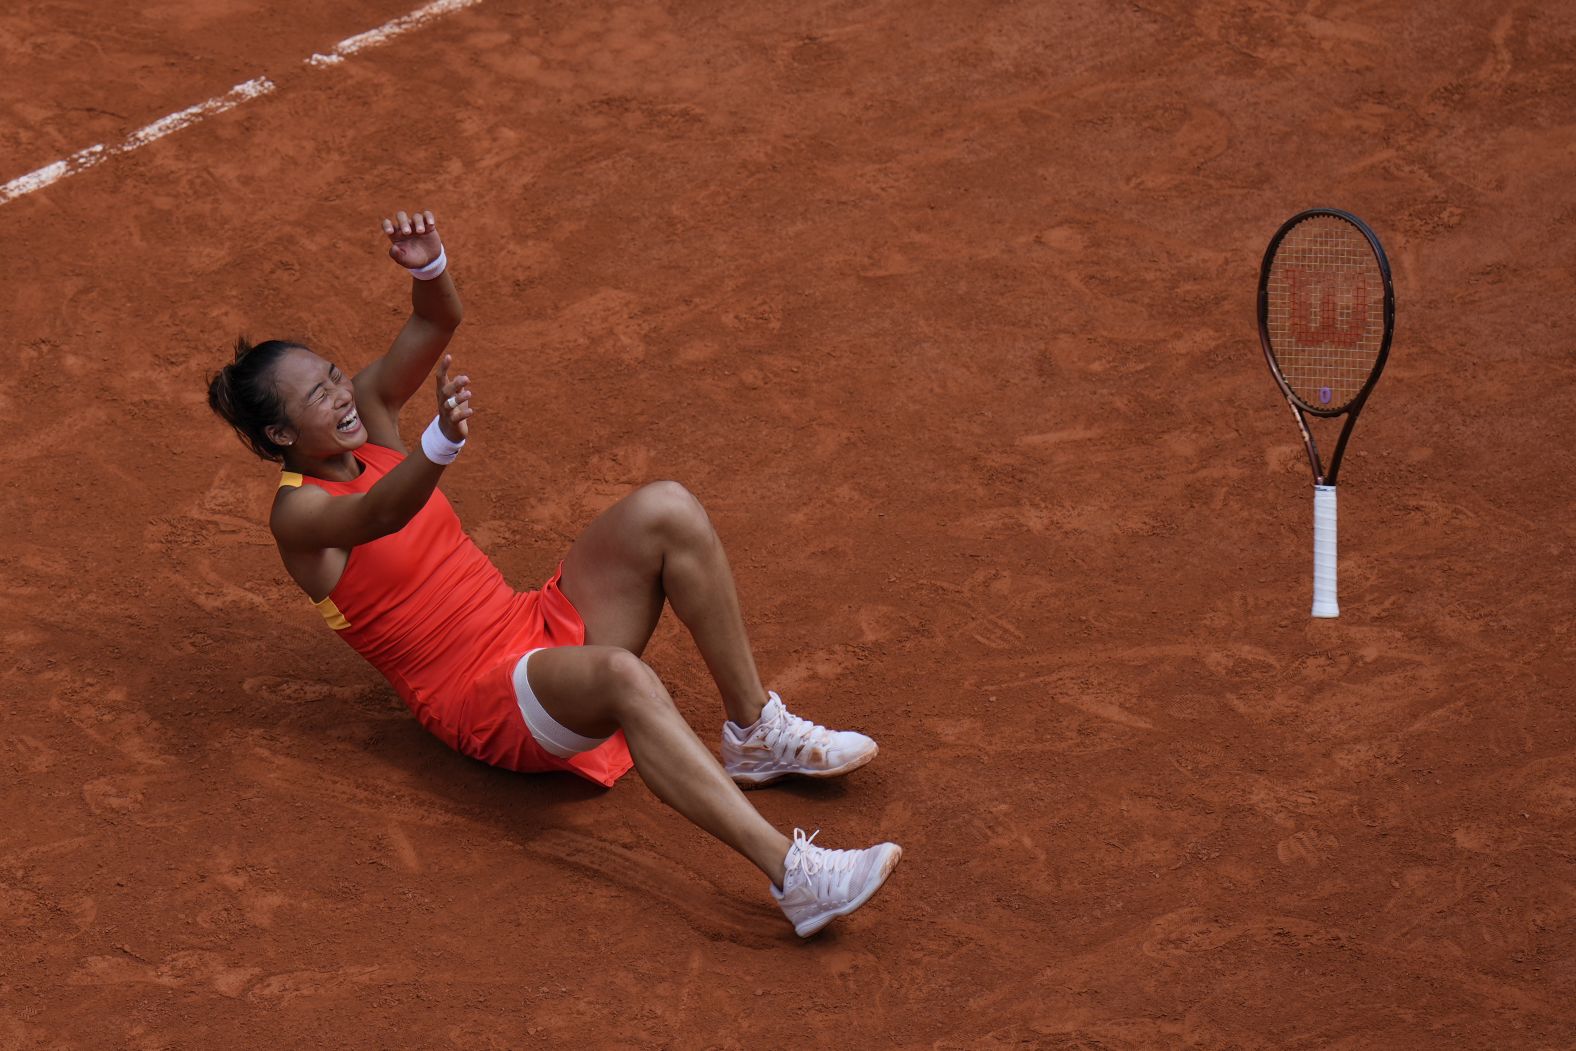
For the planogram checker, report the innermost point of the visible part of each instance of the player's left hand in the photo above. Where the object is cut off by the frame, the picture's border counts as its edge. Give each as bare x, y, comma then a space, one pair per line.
413, 239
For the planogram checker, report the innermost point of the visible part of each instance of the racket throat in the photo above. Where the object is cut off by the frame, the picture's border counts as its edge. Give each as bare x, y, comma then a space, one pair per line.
1328, 478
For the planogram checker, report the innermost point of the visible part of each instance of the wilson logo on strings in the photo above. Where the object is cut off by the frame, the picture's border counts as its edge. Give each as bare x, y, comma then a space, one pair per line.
1328, 309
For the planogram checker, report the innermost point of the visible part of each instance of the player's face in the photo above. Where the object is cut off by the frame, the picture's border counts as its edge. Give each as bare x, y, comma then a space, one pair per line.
320, 402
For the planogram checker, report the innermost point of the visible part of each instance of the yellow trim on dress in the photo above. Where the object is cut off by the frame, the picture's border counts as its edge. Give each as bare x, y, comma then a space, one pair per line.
336, 619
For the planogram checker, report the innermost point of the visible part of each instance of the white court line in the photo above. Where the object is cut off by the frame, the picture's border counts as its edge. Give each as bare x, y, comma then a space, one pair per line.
388, 31
192, 114
84, 159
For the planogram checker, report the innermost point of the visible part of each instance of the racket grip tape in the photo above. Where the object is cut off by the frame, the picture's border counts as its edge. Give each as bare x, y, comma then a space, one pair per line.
1324, 604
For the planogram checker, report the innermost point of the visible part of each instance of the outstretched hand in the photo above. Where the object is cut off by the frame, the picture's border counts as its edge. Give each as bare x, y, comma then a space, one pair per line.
413, 239
454, 408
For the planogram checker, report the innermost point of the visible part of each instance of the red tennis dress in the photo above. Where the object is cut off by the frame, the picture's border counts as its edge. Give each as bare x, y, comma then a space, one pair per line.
434, 615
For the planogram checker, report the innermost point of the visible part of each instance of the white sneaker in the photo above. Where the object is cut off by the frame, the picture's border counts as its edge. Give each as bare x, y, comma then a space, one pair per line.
781, 743
823, 884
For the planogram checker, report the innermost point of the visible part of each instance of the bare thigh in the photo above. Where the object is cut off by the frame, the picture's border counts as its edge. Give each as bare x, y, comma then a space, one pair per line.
613, 572
584, 687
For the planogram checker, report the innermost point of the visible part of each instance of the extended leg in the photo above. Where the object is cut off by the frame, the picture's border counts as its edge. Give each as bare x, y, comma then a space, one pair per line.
657, 543
594, 690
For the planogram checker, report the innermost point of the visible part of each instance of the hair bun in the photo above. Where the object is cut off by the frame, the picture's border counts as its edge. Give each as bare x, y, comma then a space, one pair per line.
242, 393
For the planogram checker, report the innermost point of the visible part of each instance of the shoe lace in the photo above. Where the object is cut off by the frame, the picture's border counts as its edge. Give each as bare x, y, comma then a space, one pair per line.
813, 861
788, 734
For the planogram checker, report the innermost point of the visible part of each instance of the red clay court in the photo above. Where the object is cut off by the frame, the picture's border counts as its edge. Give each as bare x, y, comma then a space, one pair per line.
945, 311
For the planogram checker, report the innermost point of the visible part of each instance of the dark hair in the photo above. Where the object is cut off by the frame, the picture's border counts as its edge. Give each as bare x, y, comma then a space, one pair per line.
244, 395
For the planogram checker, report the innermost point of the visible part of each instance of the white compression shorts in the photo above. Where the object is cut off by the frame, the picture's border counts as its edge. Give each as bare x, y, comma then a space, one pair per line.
546, 730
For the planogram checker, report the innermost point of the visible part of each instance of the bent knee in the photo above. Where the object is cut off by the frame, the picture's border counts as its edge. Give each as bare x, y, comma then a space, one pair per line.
673, 511
619, 671
628, 682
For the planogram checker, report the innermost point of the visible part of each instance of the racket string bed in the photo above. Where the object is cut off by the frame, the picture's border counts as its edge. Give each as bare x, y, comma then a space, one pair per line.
1325, 315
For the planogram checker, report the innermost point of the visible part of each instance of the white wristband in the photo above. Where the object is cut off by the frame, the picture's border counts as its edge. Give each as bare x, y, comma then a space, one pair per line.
432, 269
436, 445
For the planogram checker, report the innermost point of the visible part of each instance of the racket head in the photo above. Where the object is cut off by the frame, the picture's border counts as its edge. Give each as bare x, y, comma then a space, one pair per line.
1326, 310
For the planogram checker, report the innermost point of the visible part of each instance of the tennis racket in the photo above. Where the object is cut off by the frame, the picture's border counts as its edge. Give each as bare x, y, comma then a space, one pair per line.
1326, 312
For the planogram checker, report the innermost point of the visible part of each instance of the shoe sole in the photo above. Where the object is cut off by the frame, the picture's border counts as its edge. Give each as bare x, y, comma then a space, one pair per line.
764, 778
887, 865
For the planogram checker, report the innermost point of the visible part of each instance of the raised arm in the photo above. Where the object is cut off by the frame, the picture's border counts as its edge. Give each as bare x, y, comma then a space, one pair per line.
308, 519
389, 382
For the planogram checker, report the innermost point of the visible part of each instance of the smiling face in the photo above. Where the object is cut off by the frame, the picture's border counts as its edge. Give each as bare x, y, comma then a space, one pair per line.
321, 405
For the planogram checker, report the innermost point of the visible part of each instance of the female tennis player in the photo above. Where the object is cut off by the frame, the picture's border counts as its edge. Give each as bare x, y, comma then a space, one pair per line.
542, 680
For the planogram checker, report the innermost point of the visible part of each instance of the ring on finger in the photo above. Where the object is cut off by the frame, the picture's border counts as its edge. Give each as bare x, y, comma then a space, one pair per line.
451, 403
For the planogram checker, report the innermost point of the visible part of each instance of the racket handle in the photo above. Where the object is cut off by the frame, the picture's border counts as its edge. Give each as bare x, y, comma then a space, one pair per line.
1324, 604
